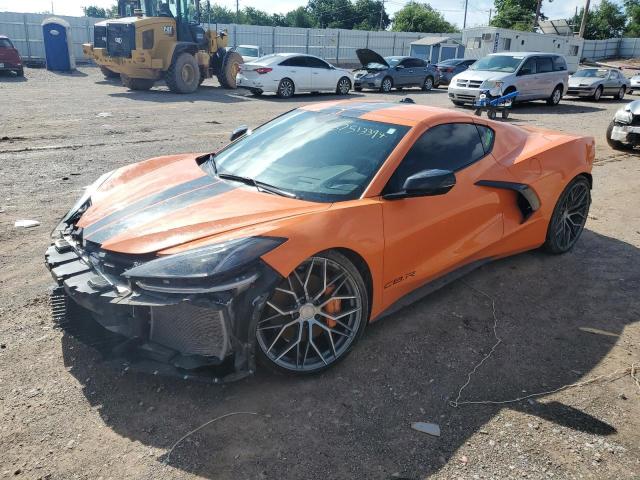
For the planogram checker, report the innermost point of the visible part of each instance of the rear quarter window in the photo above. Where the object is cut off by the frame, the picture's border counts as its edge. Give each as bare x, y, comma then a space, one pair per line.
559, 64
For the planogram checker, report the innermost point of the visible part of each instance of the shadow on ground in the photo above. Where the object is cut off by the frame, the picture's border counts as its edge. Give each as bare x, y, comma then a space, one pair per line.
354, 420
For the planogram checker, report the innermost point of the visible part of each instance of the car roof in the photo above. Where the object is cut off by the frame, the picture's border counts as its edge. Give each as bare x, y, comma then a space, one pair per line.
4, 36
523, 54
399, 57
249, 46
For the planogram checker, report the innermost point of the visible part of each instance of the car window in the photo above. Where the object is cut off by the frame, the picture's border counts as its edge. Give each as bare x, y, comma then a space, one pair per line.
544, 65
529, 67
450, 146
247, 51
498, 63
5, 43
294, 62
559, 64
412, 63
314, 62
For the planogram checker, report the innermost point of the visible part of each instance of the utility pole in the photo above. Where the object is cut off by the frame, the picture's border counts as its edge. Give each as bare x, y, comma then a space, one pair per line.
490, 12
535, 24
381, 14
237, 11
52, 7
466, 5
583, 25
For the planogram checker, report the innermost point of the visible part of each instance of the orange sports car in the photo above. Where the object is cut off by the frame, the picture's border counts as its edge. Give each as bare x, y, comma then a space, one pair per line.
281, 247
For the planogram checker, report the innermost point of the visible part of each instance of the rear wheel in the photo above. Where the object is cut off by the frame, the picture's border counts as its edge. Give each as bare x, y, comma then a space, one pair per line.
555, 97
286, 89
620, 94
229, 69
505, 114
491, 114
569, 216
343, 87
428, 83
386, 85
20, 72
183, 76
136, 83
597, 94
108, 73
314, 317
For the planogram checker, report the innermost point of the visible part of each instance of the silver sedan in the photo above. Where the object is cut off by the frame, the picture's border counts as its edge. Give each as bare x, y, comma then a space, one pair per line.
596, 82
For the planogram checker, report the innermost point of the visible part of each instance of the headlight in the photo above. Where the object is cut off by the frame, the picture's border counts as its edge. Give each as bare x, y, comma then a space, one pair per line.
623, 116
86, 196
217, 267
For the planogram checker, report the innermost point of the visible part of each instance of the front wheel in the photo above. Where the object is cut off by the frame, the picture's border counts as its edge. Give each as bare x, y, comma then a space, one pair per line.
569, 216
555, 97
286, 89
183, 76
427, 85
386, 85
343, 87
314, 317
597, 94
136, 83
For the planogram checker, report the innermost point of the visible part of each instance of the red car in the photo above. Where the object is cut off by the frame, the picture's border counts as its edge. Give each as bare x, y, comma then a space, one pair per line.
9, 57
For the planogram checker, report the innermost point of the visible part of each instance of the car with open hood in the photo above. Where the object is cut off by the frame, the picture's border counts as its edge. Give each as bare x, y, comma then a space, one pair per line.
623, 133
596, 82
282, 246
10, 59
534, 75
386, 73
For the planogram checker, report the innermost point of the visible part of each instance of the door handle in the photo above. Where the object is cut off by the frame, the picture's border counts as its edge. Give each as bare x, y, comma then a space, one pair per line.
316, 73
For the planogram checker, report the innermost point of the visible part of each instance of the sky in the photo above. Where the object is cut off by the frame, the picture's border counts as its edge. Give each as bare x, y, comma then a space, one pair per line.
453, 10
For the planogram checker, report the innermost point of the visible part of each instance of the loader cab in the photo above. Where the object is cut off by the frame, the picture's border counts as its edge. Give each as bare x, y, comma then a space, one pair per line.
127, 8
187, 16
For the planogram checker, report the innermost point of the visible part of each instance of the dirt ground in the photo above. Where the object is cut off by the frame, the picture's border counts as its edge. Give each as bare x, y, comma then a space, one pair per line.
65, 414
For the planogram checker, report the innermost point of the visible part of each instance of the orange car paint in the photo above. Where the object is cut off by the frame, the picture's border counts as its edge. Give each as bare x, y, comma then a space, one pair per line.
404, 243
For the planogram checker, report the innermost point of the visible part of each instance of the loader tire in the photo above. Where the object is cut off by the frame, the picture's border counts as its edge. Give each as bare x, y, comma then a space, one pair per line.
136, 83
230, 67
183, 76
109, 73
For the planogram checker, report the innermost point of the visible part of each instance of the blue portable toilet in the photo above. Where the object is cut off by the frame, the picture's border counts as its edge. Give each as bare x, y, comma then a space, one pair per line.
58, 46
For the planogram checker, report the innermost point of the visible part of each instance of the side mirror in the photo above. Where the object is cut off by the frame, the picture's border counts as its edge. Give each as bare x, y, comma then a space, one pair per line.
239, 132
524, 71
424, 184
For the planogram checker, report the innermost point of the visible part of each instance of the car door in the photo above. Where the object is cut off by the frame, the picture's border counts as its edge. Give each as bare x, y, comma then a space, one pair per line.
297, 70
322, 75
428, 236
545, 77
526, 81
405, 74
612, 83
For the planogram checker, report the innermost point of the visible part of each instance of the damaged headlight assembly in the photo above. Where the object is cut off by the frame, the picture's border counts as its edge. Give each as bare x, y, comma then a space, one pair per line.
624, 116
85, 199
214, 268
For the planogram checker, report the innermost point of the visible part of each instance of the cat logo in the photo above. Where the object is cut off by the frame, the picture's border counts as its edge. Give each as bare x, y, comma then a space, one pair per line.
118, 40
168, 29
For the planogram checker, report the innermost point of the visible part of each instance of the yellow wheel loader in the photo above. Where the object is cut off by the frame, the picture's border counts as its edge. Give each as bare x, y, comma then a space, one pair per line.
163, 40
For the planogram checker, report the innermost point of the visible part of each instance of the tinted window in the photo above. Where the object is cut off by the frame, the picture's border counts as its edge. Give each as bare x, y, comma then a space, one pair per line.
412, 62
5, 43
316, 63
294, 62
559, 64
450, 146
529, 65
320, 157
545, 65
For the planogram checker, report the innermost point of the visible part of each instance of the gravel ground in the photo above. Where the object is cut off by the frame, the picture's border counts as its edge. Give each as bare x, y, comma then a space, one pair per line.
65, 414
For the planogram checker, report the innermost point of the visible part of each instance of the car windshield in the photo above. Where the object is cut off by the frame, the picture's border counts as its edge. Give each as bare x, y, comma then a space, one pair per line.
392, 61
247, 51
450, 62
5, 43
319, 157
592, 72
498, 63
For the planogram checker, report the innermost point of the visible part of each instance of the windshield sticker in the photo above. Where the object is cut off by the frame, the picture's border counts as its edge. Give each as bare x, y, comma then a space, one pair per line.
372, 133
391, 131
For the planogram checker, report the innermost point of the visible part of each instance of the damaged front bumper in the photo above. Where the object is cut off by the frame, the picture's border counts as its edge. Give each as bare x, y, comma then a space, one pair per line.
626, 133
196, 335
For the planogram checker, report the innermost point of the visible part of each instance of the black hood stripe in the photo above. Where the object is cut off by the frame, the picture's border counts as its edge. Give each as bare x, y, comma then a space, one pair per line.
358, 109
156, 210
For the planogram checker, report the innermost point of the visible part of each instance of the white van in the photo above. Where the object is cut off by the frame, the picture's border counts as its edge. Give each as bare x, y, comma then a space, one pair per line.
535, 75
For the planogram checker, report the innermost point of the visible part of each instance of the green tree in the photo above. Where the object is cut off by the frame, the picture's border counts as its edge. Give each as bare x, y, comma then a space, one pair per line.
95, 12
606, 20
421, 17
300, 17
220, 14
632, 11
515, 14
370, 15
332, 13
253, 16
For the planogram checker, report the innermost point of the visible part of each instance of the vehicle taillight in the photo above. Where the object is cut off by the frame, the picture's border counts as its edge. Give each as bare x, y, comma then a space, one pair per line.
263, 70
447, 70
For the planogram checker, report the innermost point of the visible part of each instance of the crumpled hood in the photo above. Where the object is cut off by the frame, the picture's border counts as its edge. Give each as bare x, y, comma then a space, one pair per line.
583, 81
633, 107
169, 201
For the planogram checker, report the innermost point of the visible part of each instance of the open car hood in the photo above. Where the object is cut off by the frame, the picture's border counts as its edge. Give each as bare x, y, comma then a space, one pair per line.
367, 56
169, 201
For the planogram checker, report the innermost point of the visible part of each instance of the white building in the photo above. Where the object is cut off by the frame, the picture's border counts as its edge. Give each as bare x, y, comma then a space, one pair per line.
481, 41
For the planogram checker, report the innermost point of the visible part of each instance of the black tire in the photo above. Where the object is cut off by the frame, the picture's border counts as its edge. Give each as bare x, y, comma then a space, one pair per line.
136, 83
597, 94
555, 97
478, 112
357, 318
630, 92
229, 69
256, 91
357, 89
343, 86
620, 94
428, 83
615, 144
20, 72
386, 85
505, 114
183, 75
569, 216
491, 114
108, 73
286, 88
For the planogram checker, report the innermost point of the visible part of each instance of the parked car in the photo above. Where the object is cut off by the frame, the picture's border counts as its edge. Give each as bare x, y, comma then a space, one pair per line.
287, 73
10, 59
249, 53
623, 132
596, 82
536, 76
451, 67
635, 83
285, 244
393, 72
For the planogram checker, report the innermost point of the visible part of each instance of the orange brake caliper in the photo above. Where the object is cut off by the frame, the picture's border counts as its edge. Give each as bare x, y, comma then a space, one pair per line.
332, 307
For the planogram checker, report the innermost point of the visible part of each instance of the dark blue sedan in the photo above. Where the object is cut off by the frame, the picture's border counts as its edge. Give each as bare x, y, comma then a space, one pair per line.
453, 66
